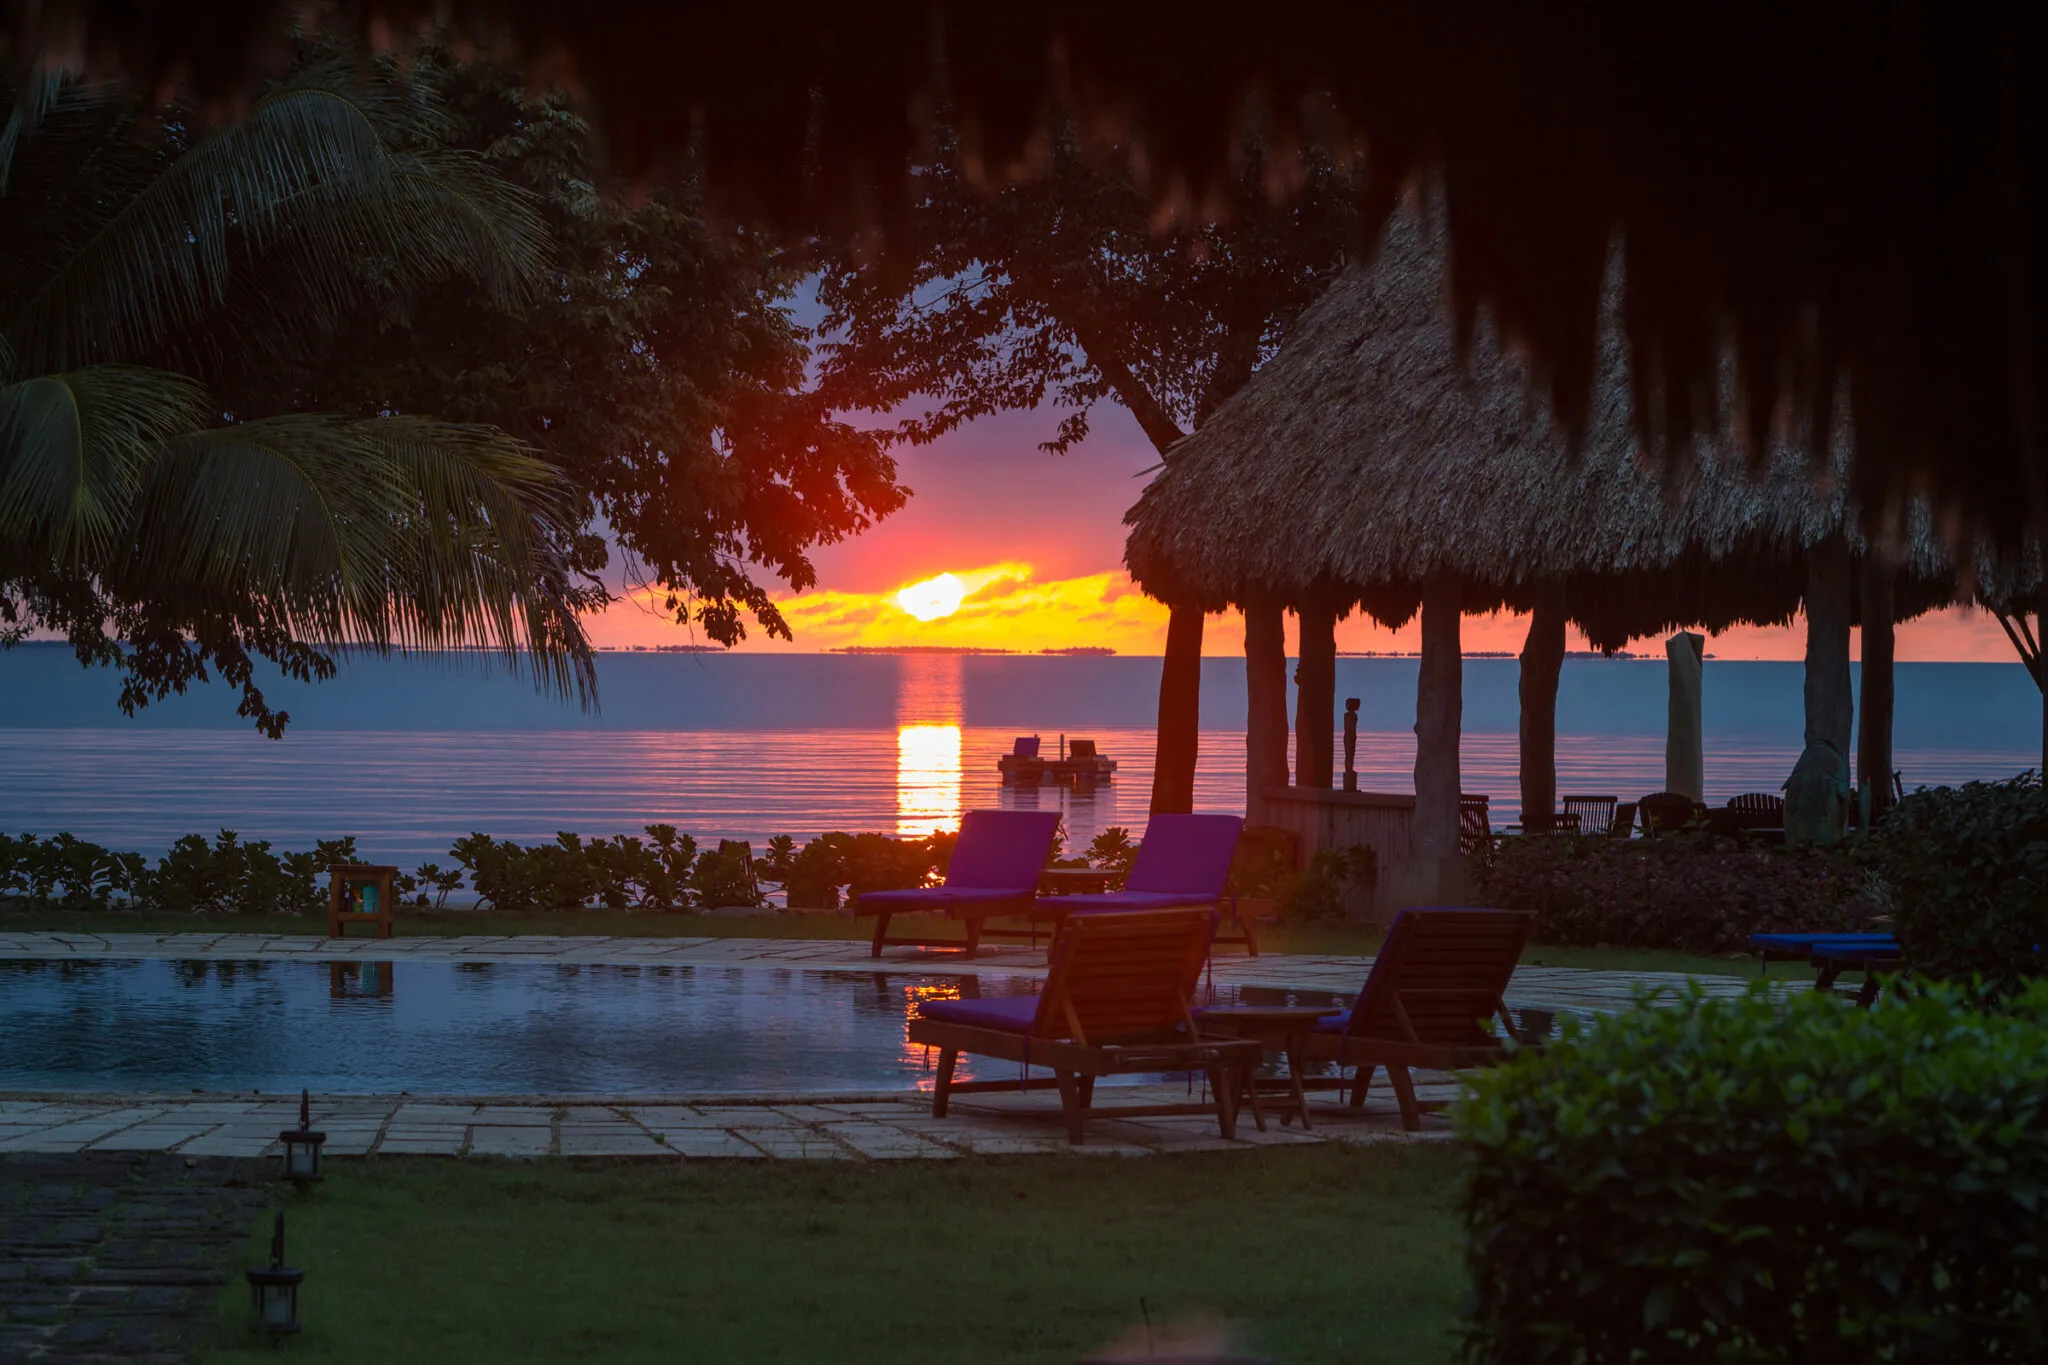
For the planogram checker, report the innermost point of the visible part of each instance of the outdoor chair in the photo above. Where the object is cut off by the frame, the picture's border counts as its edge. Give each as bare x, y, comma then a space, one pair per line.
994, 871
1118, 999
1757, 810
1624, 822
1595, 813
1436, 986
1182, 863
1852, 953
1026, 746
1081, 748
1475, 829
1771, 948
1667, 812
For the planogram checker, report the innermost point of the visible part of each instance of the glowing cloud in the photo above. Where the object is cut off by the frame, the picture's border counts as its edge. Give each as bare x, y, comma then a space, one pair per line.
933, 598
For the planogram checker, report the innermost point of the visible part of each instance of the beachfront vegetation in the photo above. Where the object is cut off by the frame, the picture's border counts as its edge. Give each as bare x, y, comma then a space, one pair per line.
1968, 868
169, 528
1326, 1254
1759, 1179
657, 366
1692, 892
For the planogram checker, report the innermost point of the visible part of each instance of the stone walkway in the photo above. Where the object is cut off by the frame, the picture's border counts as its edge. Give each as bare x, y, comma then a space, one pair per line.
876, 1126
116, 1256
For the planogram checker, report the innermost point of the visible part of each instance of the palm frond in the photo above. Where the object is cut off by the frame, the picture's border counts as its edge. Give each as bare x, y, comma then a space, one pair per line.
33, 101
384, 533
310, 171
74, 450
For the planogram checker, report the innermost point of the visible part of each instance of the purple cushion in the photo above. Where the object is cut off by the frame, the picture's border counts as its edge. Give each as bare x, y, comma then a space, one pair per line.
1002, 848
1190, 854
1007, 1013
936, 898
1125, 900
1334, 1023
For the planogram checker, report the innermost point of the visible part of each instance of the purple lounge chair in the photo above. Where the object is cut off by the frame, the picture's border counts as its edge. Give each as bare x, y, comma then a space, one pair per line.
994, 871
1183, 861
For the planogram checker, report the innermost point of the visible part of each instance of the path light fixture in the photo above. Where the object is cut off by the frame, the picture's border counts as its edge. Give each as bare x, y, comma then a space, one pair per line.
302, 1146
274, 1289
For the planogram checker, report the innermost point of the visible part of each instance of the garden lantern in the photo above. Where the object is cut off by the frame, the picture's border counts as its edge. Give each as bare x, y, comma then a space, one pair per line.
302, 1146
274, 1289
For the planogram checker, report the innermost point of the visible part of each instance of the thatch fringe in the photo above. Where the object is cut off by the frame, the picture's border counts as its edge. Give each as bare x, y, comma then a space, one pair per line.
1376, 450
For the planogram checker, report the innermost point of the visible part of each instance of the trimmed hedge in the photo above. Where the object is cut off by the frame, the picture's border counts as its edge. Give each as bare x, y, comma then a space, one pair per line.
1693, 892
1752, 1179
1968, 870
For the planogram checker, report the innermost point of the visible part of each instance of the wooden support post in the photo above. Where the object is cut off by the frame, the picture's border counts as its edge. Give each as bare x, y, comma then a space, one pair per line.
1830, 700
1315, 697
1874, 714
1439, 712
1542, 661
1265, 686
1180, 713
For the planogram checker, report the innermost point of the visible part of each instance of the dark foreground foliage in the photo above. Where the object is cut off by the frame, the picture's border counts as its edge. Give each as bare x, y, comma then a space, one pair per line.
1766, 1180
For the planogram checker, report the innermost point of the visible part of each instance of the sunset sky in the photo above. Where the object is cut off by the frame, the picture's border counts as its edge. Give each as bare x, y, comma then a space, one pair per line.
1036, 541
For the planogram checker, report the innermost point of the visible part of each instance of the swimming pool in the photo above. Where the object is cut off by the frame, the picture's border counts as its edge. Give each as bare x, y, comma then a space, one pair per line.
470, 1028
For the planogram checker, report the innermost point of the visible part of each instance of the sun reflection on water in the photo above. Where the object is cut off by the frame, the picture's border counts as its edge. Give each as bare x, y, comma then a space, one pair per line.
927, 779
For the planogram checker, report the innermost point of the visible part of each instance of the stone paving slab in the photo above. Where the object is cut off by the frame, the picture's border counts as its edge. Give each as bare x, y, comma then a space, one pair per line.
122, 1254
876, 1127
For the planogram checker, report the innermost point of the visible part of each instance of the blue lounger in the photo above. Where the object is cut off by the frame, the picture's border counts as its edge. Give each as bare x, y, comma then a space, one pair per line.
1183, 861
1854, 953
994, 871
1799, 947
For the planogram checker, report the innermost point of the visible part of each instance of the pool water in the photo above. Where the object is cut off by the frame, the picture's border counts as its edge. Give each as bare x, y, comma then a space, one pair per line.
472, 1028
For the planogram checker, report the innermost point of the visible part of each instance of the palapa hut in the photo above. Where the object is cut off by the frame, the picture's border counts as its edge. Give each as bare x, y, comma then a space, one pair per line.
1379, 463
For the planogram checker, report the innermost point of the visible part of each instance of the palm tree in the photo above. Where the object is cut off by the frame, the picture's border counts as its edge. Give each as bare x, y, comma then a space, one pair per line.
138, 250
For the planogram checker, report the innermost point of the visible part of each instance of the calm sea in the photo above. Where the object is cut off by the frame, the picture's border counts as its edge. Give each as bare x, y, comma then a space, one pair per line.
410, 754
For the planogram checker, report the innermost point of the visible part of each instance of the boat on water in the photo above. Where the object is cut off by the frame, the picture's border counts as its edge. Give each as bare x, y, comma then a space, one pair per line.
1077, 763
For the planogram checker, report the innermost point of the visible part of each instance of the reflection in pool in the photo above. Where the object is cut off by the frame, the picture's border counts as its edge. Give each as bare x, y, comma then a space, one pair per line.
472, 1028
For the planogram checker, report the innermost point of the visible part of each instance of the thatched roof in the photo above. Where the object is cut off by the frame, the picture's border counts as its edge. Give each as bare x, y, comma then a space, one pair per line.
1375, 451
1860, 189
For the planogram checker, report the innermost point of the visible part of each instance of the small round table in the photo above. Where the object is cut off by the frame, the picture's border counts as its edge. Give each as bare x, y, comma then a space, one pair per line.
1278, 1026
1070, 881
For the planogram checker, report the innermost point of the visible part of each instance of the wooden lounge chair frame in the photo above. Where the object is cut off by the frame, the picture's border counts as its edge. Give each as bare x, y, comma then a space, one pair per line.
1437, 984
1592, 810
1118, 1000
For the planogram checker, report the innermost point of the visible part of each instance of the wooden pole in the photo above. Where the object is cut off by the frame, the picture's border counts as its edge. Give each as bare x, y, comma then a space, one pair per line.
1265, 686
1830, 700
1439, 712
1542, 661
1315, 697
1180, 713
1874, 715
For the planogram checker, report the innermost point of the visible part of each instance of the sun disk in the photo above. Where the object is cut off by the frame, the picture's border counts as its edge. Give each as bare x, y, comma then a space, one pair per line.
933, 598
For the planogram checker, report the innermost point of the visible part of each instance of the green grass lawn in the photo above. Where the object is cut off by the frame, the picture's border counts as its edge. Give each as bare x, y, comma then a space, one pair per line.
1322, 1254
1322, 938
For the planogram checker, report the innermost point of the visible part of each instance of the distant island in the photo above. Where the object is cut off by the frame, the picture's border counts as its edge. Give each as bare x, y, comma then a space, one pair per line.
1080, 649
917, 649
1483, 654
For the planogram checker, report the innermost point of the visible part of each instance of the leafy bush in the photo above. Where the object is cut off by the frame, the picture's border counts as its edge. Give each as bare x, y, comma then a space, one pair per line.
569, 873
1766, 1180
1695, 892
1113, 851
1331, 875
1967, 868
723, 879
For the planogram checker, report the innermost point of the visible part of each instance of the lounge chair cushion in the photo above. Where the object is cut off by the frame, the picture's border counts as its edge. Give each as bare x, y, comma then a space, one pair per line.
1126, 900
1334, 1023
1004, 848
936, 898
1803, 942
1004, 1013
1189, 854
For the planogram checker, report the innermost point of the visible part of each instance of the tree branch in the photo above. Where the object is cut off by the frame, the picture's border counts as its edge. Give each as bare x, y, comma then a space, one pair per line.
1153, 418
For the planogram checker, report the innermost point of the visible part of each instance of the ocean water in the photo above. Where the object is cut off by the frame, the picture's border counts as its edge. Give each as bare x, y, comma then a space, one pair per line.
408, 755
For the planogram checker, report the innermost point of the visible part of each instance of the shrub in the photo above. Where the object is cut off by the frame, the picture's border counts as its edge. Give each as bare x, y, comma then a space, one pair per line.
1696, 892
1752, 1179
1967, 868
1331, 875
723, 879
1113, 851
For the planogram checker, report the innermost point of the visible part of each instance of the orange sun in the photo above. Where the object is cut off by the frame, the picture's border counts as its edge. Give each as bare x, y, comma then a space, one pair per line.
933, 598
